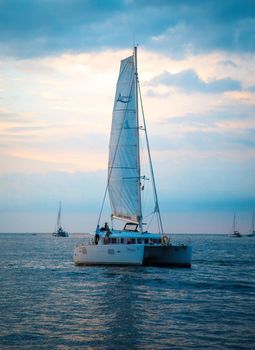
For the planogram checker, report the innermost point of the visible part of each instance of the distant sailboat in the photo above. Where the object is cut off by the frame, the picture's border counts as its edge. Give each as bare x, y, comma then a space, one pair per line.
252, 230
132, 245
59, 232
235, 232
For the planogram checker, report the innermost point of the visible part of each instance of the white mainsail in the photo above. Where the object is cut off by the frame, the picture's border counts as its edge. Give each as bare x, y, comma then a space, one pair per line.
124, 163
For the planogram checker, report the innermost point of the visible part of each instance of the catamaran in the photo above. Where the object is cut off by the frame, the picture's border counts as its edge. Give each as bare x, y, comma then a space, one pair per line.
133, 244
59, 231
252, 230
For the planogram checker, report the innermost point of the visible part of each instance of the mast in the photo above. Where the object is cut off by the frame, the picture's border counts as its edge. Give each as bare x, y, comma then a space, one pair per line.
138, 142
59, 214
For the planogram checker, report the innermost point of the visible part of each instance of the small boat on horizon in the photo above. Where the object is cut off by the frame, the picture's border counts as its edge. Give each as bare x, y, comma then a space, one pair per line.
252, 230
235, 232
132, 245
59, 231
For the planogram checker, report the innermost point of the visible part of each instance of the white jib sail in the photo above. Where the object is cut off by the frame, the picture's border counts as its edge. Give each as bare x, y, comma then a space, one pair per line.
123, 166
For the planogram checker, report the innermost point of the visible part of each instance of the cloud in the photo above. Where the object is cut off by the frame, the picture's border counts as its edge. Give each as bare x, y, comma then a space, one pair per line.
228, 63
206, 26
228, 132
190, 81
24, 129
251, 88
153, 93
38, 28
225, 115
10, 117
200, 143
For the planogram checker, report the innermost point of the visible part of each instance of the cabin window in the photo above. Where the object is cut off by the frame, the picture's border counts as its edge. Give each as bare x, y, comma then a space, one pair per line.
122, 240
131, 227
132, 240
139, 240
111, 251
114, 241
146, 241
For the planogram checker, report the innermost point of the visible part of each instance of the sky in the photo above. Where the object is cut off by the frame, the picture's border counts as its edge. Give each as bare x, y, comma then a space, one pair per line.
59, 63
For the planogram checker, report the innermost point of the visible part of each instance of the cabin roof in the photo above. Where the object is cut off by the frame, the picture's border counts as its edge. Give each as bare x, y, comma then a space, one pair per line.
130, 234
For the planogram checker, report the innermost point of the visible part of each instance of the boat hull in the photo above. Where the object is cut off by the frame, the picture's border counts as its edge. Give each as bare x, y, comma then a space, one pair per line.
62, 234
135, 254
180, 255
118, 254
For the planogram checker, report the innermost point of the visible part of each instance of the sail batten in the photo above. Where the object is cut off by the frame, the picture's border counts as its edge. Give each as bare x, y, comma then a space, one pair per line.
123, 165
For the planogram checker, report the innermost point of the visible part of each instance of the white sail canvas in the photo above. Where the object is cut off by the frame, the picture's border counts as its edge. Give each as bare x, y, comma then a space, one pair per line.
123, 166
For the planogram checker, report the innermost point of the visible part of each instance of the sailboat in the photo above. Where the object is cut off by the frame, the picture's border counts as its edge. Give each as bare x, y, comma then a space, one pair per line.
252, 231
235, 232
133, 244
59, 231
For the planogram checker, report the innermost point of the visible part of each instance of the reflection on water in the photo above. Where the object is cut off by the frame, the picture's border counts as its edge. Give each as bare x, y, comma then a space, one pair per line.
48, 303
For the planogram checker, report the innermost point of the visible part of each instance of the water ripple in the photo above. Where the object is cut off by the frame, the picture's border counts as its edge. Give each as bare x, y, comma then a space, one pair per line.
48, 303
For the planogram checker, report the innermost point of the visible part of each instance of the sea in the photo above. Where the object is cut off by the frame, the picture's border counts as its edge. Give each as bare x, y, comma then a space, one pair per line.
46, 302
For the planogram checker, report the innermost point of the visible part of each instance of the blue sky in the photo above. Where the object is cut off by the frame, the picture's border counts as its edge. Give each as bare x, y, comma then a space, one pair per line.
59, 62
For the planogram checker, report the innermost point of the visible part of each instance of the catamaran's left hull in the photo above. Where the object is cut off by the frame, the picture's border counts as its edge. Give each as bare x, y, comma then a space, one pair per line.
117, 254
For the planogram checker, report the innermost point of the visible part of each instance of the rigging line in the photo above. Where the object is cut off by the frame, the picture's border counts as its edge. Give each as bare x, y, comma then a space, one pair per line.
150, 214
144, 165
160, 225
114, 156
149, 224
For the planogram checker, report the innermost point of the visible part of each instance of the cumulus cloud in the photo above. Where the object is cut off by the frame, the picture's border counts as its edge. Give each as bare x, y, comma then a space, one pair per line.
190, 81
34, 28
228, 63
228, 113
153, 93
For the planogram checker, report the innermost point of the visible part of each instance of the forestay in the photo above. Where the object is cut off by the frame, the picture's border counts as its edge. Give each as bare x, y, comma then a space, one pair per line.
123, 166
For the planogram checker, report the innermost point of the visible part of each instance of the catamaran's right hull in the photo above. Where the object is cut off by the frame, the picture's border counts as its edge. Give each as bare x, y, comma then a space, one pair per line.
171, 255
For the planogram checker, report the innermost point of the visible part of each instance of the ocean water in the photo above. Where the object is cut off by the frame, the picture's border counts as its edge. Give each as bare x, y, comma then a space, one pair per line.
48, 303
